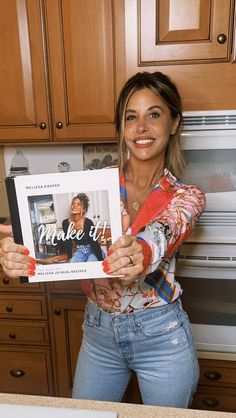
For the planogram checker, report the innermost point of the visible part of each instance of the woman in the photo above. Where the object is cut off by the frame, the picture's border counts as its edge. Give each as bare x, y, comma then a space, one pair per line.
136, 322
83, 247
87, 249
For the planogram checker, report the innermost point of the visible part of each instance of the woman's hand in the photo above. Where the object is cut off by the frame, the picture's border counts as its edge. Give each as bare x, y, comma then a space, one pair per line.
125, 258
14, 257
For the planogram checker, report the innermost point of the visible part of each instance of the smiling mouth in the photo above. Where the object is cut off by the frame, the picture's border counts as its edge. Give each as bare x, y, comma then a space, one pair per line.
143, 141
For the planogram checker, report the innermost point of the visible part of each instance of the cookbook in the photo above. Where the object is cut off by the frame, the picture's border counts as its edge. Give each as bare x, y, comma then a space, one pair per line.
67, 221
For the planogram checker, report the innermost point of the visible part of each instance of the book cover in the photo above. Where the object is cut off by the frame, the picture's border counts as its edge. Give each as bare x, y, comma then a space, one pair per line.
67, 221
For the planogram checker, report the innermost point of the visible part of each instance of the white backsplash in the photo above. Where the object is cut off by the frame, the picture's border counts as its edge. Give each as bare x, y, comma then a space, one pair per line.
45, 159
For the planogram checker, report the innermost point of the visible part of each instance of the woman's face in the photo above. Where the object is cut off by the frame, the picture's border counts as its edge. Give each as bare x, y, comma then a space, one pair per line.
76, 207
148, 126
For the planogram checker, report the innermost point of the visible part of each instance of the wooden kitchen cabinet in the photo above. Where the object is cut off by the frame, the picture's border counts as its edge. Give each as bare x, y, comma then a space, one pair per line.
68, 314
191, 41
217, 386
26, 370
61, 71
25, 342
24, 113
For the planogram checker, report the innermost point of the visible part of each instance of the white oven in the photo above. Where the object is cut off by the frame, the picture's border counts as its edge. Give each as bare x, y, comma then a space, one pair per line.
206, 267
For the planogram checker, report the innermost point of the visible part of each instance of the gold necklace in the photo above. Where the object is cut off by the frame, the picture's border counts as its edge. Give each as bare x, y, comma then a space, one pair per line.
137, 203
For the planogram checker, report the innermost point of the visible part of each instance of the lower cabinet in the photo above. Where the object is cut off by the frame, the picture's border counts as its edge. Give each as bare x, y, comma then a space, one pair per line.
26, 370
217, 386
25, 343
68, 316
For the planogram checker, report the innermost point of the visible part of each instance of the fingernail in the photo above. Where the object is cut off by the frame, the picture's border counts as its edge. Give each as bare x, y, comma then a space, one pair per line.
25, 251
31, 273
109, 252
31, 265
106, 270
105, 264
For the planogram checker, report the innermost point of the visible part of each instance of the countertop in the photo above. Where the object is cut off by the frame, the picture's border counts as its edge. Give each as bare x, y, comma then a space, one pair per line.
123, 410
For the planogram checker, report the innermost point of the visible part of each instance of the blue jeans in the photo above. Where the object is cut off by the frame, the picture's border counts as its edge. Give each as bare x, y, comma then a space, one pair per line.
156, 344
82, 254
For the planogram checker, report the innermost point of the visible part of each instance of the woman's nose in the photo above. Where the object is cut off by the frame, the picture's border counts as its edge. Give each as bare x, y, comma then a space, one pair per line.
142, 127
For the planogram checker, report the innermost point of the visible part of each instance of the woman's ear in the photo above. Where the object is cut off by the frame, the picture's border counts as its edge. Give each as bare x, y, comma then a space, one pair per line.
175, 125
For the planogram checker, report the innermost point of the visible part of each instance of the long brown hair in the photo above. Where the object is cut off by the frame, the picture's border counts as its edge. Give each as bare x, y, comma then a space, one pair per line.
163, 87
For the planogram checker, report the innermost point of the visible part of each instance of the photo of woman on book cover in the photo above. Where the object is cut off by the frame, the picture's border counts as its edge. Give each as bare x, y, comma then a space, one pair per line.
74, 239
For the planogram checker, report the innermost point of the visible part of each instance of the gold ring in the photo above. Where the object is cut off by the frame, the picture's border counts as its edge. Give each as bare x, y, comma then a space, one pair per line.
130, 263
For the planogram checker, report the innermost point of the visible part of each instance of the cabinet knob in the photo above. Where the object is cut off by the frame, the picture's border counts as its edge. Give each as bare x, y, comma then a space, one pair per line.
17, 372
59, 125
12, 335
9, 308
57, 311
5, 280
42, 125
221, 38
211, 402
212, 375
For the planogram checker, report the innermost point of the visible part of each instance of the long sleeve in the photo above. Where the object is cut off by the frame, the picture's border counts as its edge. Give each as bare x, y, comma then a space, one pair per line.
174, 225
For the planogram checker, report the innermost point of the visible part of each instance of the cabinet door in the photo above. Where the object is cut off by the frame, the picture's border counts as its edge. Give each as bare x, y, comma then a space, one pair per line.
189, 40
85, 56
23, 101
184, 30
67, 320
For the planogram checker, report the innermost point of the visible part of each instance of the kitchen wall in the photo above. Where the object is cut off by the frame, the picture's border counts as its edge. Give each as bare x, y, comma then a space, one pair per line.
40, 159
45, 159
4, 211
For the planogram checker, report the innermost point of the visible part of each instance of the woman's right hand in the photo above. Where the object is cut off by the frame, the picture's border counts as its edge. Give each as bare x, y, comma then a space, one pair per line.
14, 257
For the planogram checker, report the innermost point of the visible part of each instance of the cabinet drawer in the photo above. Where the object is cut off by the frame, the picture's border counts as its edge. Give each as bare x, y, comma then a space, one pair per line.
215, 399
217, 373
32, 307
67, 286
25, 371
17, 332
7, 284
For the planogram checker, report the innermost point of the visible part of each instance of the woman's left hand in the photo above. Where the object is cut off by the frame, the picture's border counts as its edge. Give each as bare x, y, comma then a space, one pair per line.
125, 258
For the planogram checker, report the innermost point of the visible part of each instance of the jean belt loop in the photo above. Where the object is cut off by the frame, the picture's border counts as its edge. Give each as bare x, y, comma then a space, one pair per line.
98, 316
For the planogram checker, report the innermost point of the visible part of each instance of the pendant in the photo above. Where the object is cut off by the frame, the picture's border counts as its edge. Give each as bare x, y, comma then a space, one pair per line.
136, 205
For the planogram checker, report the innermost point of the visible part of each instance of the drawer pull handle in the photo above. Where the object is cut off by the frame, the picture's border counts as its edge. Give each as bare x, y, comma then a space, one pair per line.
212, 375
57, 312
5, 280
9, 308
12, 335
17, 372
211, 402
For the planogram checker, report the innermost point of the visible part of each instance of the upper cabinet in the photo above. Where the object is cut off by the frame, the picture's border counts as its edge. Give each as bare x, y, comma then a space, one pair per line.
65, 61
23, 100
190, 40
62, 69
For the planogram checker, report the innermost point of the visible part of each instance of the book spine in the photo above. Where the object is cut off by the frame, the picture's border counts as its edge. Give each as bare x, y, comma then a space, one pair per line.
14, 214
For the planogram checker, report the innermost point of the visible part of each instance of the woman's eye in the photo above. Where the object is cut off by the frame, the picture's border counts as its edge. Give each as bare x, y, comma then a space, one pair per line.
130, 117
154, 115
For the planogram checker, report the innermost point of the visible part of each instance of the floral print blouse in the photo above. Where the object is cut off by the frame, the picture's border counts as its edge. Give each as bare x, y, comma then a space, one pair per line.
166, 219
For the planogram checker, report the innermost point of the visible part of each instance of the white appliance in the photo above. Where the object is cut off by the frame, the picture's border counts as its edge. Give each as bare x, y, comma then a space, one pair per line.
206, 267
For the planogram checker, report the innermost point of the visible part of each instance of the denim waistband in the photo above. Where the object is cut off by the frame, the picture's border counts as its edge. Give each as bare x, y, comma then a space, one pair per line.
151, 312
